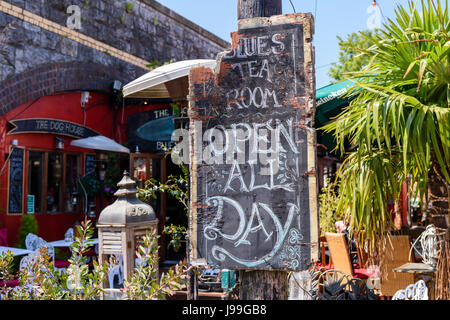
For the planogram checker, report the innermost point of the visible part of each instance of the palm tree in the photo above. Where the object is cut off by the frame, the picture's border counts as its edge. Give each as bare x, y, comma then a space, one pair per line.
398, 125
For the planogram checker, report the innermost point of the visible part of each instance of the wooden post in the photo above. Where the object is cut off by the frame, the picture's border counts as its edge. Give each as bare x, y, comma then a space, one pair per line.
258, 8
262, 285
247, 213
192, 281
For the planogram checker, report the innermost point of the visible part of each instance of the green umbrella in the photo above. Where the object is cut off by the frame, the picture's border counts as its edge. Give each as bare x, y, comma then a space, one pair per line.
330, 100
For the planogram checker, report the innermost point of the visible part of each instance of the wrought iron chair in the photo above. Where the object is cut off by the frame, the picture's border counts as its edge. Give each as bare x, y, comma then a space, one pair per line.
33, 242
416, 291
426, 246
117, 270
337, 285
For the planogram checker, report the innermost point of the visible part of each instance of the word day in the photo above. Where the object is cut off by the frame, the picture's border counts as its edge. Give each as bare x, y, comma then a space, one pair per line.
261, 219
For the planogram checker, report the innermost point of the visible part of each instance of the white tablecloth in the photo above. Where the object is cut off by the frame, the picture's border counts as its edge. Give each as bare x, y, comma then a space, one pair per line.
64, 243
15, 251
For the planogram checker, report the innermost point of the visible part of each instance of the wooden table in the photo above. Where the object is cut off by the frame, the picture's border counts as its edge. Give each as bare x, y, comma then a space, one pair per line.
416, 269
420, 269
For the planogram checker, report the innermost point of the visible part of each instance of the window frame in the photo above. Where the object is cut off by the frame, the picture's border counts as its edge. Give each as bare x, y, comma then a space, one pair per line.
44, 184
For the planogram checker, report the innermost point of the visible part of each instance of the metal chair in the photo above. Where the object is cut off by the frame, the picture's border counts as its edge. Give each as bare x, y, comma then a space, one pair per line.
33, 242
428, 246
117, 270
416, 291
329, 284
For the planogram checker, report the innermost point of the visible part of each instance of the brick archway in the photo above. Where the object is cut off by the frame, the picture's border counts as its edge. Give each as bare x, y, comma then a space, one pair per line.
50, 78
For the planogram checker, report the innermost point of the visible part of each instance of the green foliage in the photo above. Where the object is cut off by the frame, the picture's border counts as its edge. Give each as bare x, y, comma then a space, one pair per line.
144, 283
177, 234
398, 125
77, 283
177, 187
41, 281
6, 262
156, 63
28, 224
328, 204
129, 7
350, 54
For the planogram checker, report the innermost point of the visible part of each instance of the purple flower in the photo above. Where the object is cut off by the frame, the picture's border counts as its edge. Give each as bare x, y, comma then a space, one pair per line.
107, 189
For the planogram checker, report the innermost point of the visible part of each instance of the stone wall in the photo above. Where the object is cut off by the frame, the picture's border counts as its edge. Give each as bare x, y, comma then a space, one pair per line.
117, 41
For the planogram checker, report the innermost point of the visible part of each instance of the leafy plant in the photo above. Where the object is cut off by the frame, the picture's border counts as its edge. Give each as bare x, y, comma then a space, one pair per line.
328, 205
398, 124
156, 63
129, 7
177, 187
41, 281
6, 261
144, 283
28, 224
177, 234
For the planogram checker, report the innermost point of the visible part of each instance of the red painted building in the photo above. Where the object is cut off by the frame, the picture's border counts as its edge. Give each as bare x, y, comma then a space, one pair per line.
42, 172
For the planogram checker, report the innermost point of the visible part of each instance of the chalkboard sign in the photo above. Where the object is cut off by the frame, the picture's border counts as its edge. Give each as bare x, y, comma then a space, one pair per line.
16, 167
89, 165
253, 191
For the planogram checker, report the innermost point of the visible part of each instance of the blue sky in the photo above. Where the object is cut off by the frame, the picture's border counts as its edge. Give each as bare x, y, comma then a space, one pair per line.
333, 18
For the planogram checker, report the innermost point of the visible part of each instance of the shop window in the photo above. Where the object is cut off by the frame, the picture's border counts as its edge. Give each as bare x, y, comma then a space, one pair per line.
145, 166
35, 180
71, 190
142, 170
52, 181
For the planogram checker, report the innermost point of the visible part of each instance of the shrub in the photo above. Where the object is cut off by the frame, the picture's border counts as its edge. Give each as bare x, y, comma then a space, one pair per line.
28, 224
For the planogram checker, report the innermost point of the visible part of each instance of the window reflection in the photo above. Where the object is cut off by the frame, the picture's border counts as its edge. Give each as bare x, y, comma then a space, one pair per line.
35, 178
71, 182
54, 180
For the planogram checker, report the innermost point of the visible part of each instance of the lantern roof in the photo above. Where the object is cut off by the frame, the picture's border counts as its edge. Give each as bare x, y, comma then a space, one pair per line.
127, 209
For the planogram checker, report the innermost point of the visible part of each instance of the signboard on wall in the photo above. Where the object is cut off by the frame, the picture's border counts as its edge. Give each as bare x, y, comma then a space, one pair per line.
150, 131
15, 187
61, 127
252, 155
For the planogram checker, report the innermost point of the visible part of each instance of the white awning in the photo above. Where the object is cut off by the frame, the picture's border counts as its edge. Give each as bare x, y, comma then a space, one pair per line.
101, 143
168, 81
